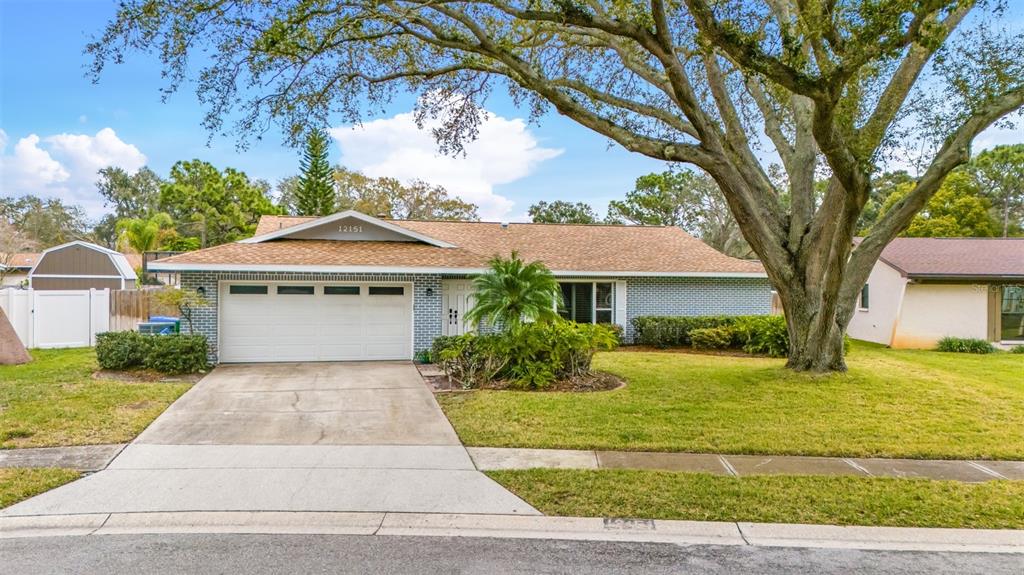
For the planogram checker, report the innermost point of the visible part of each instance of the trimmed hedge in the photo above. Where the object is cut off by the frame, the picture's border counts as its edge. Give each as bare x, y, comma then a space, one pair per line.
754, 334
177, 353
965, 345
674, 331
1017, 349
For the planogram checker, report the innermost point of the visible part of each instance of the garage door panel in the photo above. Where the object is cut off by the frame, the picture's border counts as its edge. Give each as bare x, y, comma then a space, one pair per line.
325, 327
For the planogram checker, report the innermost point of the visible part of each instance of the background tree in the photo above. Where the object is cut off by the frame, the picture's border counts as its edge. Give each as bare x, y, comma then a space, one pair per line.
142, 235
314, 195
562, 212
957, 210
213, 206
513, 291
130, 195
48, 222
834, 88
391, 198
12, 242
286, 194
686, 199
1000, 174
884, 185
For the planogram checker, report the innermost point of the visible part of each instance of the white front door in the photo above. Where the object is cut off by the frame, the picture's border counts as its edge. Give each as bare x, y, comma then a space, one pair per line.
456, 301
309, 321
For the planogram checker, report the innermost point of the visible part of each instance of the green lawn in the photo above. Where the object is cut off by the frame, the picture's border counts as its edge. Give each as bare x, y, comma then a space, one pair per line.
54, 400
770, 498
919, 404
17, 484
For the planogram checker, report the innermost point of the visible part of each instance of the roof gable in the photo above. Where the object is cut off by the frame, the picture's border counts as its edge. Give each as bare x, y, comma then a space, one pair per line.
348, 225
117, 259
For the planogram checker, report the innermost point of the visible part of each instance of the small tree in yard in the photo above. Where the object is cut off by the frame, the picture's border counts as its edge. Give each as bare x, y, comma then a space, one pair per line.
186, 301
765, 96
513, 291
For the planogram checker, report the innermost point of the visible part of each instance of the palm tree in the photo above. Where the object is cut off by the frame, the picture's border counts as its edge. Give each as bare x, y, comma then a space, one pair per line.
143, 235
514, 291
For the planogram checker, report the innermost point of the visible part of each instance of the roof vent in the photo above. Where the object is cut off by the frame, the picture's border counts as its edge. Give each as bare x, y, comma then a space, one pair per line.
504, 225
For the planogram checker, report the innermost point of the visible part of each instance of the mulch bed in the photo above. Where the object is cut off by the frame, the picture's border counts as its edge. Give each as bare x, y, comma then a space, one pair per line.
146, 376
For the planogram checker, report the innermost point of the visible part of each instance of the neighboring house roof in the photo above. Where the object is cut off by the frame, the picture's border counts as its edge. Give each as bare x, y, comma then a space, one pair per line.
23, 261
565, 248
134, 260
956, 258
124, 268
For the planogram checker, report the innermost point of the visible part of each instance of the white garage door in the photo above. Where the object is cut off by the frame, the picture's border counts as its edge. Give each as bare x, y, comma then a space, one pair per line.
314, 321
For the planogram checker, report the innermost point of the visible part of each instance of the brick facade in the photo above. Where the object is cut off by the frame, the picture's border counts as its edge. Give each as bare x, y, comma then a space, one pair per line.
644, 296
695, 296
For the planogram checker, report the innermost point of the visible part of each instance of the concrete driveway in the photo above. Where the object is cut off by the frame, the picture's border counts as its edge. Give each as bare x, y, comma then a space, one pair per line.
292, 437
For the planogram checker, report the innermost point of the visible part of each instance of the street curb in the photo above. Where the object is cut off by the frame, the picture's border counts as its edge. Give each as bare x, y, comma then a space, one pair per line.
518, 527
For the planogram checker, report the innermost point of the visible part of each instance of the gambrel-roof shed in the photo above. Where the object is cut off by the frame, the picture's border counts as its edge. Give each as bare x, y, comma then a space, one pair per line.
81, 265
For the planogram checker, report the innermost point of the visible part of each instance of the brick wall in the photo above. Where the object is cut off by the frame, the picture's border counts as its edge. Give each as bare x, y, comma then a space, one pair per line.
426, 309
695, 296
644, 296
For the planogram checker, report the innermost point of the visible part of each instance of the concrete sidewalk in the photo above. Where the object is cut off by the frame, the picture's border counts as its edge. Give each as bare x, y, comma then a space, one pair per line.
80, 457
521, 527
494, 458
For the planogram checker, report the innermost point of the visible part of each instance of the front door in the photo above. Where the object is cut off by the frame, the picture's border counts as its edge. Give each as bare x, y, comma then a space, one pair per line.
456, 301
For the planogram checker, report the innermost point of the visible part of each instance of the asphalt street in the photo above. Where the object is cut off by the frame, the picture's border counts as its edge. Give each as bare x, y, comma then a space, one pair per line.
309, 554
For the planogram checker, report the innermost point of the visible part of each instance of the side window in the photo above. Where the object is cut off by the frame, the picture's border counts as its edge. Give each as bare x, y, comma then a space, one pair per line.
386, 290
865, 297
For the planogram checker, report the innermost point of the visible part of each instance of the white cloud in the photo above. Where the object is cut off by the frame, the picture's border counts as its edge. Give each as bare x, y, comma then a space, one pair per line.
65, 165
504, 152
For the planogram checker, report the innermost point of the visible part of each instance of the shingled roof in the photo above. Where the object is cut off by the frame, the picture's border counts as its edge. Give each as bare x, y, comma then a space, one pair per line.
963, 258
564, 248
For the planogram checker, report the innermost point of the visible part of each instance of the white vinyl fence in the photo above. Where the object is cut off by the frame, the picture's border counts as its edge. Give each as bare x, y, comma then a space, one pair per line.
57, 318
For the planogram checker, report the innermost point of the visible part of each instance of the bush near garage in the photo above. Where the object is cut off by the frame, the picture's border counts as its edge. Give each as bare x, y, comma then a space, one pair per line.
529, 356
965, 345
175, 354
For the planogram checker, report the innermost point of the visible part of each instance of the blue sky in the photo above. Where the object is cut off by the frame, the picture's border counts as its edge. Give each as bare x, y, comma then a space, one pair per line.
59, 128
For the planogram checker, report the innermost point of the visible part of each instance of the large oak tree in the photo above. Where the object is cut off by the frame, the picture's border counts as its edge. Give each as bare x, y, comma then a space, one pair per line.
825, 88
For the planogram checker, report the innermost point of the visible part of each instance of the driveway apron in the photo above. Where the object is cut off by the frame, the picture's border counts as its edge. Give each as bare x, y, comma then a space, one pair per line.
361, 436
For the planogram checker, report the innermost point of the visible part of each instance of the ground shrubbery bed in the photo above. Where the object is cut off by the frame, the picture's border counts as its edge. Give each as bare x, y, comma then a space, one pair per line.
530, 356
754, 334
176, 353
965, 345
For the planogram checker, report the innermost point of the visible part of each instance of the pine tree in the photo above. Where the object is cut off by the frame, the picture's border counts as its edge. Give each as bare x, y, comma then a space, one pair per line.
315, 193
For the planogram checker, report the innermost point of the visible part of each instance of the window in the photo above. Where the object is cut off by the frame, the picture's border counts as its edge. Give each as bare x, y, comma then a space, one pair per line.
865, 298
247, 290
1011, 313
294, 290
586, 302
387, 290
341, 290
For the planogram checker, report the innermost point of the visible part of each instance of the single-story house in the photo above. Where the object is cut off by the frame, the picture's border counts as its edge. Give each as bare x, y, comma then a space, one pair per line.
17, 269
923, 289
80, 265
354, 287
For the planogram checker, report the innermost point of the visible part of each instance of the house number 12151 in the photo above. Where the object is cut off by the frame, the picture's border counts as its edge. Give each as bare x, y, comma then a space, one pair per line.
350, 229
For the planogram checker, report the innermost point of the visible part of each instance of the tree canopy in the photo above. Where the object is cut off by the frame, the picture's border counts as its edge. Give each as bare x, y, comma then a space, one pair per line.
833, 88
1000, 176
957, 210
562, 212
215, 206
391, 198
46, 222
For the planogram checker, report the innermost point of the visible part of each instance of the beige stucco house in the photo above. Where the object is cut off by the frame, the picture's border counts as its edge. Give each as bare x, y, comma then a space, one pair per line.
923, 289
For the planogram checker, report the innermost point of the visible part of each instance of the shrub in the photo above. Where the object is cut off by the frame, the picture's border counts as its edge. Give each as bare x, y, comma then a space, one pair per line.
121, 349
712, 337
177, 353
617, 331
1017, 349
439, 344
164, 353
531, 355
965, 345
671, 331
762, 335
